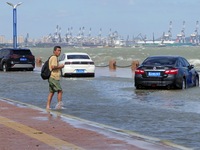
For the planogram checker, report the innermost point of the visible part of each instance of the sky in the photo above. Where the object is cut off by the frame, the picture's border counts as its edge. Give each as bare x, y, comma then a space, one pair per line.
39, 18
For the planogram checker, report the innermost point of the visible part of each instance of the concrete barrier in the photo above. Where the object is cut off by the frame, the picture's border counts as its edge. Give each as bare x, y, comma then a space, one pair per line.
134, 65
112, 65
38, 61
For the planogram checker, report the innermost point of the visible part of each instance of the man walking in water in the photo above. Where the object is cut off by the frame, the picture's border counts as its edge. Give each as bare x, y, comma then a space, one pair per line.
54, 80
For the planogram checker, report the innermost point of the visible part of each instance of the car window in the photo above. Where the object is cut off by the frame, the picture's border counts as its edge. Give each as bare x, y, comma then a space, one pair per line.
159, 61
186, 63
78, 57
1, 53
62, 57
179, 63
182, 63
22, 52
5, 52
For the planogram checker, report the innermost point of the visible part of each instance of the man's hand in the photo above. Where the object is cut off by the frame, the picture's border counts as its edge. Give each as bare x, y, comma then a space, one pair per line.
61, 66
58, 67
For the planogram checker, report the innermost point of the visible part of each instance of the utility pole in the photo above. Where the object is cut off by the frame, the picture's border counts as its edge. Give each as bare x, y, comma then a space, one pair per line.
14, 22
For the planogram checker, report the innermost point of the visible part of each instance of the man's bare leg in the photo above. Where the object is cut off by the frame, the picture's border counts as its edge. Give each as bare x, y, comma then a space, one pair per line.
50, 96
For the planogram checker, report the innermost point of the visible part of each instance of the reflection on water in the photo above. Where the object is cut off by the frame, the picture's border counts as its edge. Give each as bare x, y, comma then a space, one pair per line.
177, 100
120, 72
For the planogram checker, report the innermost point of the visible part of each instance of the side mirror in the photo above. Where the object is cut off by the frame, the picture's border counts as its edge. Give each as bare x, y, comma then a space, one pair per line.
191, 66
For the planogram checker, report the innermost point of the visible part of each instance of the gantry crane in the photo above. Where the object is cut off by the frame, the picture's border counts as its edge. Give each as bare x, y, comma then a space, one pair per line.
168, 36
181, 36
194, 37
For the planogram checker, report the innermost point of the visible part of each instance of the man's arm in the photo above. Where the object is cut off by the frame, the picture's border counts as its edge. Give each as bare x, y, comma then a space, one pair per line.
57, 67
54, 63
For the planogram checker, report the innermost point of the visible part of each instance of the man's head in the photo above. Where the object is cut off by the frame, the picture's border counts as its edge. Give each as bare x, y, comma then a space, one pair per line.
57, 50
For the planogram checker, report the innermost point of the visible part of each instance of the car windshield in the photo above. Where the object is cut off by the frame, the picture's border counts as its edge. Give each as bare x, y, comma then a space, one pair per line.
159, 61
21, 52
78, 57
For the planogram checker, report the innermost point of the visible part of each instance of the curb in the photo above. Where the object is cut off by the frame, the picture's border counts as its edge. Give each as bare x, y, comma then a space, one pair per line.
127, 133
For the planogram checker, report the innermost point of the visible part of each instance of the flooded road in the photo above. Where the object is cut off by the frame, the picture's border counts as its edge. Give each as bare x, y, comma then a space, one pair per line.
111, 99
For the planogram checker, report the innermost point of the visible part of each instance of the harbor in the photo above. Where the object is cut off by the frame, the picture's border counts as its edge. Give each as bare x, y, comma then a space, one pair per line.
83, 38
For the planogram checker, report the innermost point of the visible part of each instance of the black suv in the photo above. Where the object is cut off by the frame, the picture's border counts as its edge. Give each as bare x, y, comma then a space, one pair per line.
16, 59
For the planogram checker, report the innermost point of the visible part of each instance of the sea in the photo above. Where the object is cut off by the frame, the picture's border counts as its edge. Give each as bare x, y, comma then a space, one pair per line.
125, 56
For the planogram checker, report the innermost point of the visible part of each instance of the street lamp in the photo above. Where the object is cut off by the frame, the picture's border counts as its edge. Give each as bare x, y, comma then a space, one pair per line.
14, 22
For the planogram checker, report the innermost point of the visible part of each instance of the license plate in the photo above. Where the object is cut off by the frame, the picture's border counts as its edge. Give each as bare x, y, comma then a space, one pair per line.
80, 70
23, 59
154, 74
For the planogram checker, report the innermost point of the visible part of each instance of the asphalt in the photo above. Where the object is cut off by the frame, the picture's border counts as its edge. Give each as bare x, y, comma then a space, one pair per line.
27, 127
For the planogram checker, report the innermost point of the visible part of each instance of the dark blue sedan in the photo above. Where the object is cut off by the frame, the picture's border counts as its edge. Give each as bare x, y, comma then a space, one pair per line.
166, 71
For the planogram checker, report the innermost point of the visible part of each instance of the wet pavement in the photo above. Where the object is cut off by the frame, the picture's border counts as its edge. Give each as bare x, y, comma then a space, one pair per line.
111, 99
25, 126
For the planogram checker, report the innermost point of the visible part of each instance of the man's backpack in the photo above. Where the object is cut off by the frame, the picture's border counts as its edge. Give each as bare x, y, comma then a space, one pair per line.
45, 72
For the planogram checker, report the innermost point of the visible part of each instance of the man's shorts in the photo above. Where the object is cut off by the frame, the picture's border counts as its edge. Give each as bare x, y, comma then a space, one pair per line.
54, 85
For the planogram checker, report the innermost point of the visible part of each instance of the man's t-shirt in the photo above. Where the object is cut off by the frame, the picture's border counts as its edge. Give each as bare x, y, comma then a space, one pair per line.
53, 61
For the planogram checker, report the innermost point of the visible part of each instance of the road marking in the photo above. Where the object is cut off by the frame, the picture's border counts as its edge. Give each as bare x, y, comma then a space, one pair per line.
39, 135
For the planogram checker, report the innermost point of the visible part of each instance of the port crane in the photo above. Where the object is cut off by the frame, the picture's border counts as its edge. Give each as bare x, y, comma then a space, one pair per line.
90, 31
113, 38
68, 35
181, 36
194, 37
26, 40
100, 32
143, 38
56, 37
167, 36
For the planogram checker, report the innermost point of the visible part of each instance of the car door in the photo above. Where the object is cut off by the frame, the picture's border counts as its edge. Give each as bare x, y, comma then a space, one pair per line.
2, 53
189, 72
61, 59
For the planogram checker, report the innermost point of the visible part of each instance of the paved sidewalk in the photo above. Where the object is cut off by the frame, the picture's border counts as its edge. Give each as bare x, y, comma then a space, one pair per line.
26, 127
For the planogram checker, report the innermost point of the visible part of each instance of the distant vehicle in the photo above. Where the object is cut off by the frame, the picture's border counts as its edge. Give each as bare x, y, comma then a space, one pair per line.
77, 64
166, 71
16, 59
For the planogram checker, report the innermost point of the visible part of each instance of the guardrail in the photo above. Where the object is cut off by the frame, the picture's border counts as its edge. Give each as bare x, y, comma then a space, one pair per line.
111, 64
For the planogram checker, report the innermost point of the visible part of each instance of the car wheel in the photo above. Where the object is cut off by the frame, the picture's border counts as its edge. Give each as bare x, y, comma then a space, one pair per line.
197, 81
138, 87
92, 75
5, 69
169, 87
31, 69
184, 84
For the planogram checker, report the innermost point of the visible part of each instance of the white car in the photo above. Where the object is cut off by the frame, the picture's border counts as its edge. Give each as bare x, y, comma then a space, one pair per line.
77, 64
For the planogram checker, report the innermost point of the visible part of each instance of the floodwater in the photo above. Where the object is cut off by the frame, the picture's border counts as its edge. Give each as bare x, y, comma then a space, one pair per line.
111, 98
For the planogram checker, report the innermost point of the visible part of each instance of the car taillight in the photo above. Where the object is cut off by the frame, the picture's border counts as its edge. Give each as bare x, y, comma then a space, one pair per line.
30, 56
14, 56
139, 71
171, 71
67, 63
